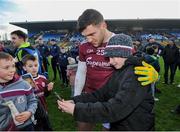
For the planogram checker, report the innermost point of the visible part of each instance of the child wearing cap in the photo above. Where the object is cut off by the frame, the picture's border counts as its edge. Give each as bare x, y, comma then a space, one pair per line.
122, 101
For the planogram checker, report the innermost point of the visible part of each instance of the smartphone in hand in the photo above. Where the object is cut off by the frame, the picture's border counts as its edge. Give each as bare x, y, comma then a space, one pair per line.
57, 96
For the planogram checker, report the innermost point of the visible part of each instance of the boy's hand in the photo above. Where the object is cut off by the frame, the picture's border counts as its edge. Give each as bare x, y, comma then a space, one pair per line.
148, 72
22, 117
50, 86
66, 106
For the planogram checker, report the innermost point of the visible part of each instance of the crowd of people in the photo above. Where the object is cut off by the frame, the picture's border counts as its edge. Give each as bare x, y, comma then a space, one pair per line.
112, 78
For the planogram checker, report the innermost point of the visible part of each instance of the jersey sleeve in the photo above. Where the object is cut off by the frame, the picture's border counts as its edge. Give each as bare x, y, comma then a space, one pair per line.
81, 53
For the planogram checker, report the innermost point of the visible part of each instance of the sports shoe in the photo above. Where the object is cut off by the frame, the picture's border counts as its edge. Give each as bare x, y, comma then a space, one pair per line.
165, 83
156, 99
172, 83
178, 86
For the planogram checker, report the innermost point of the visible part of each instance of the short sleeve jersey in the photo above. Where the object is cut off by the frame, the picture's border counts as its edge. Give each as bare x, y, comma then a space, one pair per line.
41, 83
98, 66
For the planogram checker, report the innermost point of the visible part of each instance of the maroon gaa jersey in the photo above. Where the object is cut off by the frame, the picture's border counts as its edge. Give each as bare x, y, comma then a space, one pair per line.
41, 83
98, 66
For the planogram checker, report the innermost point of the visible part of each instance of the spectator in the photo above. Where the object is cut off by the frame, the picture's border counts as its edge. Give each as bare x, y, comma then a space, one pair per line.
19, 39
63, 62
5, 49
170, 56
44, 51
18, 103
42, 90
152, 42
153, 60
54, 54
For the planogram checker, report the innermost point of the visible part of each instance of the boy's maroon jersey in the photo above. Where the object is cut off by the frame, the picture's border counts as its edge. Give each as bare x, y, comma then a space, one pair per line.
41, 83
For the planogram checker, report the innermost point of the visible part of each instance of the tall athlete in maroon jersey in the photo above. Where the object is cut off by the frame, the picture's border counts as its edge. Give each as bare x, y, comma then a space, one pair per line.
93, 68
98, 67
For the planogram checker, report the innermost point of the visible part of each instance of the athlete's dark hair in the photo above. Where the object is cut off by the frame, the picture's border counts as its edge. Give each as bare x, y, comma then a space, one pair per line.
88, 17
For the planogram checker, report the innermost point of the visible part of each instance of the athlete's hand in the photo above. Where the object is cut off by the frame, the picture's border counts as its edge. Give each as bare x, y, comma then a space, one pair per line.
148, 72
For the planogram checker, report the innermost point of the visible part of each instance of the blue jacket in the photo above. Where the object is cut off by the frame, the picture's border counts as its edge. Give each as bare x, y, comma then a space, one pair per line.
63, 59
44, 50
54, 51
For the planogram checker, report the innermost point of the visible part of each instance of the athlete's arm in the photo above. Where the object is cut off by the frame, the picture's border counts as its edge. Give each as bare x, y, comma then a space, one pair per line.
80, 78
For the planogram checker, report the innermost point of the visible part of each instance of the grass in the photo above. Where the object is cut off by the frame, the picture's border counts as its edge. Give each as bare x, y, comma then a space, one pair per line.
169, 98
60, 121
165, 120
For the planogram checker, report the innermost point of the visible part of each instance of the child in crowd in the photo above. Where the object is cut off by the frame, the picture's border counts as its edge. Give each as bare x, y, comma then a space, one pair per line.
63, 62
17, 100
42, 89
152, 59
71, 73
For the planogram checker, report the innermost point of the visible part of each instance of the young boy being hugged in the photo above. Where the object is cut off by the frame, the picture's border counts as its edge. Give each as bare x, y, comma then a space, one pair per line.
17, 100
30, 65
